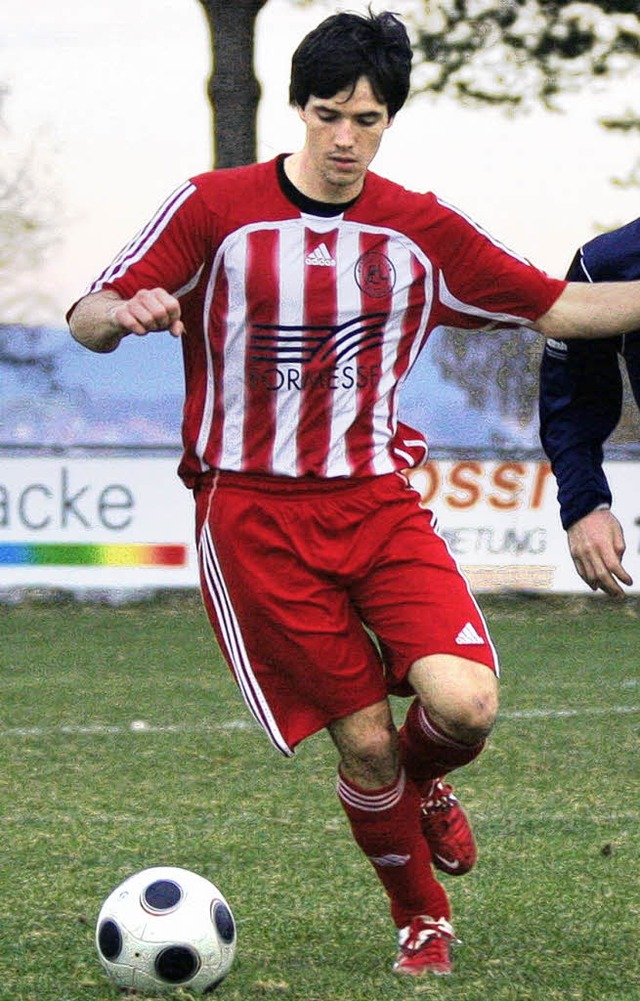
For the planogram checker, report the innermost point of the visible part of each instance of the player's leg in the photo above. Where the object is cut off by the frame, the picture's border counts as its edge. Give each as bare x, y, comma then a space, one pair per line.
297, 647
383, 808
437, 647
449, 721
445, 728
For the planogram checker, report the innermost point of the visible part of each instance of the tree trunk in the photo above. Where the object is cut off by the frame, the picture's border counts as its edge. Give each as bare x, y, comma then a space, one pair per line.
234, 92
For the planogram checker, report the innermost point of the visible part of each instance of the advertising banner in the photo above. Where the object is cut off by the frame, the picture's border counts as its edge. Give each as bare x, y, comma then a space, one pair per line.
75, 523
502, 524
84, 523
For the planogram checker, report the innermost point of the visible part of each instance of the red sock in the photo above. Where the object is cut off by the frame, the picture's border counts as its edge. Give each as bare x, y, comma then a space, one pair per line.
386, 826
427, 752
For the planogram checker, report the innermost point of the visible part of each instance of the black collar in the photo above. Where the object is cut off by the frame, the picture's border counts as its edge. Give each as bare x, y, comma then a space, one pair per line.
309, 205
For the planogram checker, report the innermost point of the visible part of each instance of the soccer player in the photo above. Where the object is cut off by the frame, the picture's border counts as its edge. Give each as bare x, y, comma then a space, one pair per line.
580, 405
303, 290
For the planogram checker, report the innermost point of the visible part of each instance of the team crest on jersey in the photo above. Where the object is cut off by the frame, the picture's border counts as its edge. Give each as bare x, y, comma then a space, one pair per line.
375, 274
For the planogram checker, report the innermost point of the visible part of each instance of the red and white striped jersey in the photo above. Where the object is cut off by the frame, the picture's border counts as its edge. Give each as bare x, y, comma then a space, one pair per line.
301, 328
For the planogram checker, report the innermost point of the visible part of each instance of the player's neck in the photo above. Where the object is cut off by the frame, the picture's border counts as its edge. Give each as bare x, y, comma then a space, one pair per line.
311, 184
310, 206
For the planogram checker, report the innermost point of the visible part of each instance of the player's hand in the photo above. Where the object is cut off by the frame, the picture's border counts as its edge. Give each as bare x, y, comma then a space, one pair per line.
597, 545
149, 310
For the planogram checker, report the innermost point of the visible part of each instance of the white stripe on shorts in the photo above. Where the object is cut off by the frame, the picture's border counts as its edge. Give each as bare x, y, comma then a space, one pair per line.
230, 629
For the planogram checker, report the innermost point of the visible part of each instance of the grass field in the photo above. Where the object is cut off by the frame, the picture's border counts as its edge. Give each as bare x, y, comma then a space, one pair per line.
552, 910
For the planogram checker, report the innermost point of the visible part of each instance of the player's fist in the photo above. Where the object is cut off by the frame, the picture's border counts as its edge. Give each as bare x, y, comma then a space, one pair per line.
149, 310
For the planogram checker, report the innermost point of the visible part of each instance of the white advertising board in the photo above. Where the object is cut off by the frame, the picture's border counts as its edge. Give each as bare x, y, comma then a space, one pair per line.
125, 523
76, 523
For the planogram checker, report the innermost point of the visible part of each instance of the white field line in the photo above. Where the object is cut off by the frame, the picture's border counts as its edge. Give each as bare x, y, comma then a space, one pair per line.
563, 713
144, 727
136, 726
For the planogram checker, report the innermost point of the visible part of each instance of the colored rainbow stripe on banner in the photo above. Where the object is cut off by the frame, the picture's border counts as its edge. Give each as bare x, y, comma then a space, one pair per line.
63, 554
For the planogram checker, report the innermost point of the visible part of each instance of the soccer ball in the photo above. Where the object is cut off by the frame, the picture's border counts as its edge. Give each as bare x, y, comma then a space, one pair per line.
165, 928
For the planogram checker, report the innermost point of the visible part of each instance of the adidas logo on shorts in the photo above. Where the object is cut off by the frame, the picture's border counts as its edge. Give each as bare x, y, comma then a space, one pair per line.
468, 636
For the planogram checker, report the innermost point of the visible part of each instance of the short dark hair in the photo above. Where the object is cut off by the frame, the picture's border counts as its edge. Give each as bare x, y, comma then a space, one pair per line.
344, 48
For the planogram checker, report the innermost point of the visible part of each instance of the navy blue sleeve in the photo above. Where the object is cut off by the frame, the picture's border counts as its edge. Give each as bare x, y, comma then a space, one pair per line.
580, 405
581, 387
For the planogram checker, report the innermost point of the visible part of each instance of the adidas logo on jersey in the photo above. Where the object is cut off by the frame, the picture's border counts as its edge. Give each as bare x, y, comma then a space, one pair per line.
468, 636
320, 257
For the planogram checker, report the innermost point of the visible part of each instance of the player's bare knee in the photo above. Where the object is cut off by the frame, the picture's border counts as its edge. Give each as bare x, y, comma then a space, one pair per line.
482, 710
369, 756
460, 696
367, 742
373, 762
469, 718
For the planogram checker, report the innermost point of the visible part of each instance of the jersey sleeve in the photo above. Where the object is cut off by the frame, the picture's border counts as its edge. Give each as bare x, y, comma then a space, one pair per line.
481, 283
580, 404
168, 252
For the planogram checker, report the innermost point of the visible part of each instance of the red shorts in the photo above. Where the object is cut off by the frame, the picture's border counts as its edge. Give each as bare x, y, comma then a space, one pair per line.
293, 570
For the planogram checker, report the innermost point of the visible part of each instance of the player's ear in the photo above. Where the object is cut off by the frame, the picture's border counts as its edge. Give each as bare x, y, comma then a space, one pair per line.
390, 122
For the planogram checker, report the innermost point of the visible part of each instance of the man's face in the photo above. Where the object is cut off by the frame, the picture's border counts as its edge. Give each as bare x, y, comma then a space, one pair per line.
343, 136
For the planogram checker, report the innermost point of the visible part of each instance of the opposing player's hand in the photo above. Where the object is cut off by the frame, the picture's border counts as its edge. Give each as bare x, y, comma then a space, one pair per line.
149, 310
597, 545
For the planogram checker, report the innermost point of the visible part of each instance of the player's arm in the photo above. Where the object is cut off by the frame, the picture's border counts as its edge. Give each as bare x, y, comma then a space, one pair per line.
602, 309
580, 402
138, 292
580, 405
100, 320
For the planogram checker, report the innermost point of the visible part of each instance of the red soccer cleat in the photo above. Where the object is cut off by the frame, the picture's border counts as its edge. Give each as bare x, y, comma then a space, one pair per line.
424, 948
447, 830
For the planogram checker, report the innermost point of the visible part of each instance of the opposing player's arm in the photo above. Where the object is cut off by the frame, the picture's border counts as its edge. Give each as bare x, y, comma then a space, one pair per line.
580, 403
102, 319
601, 309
